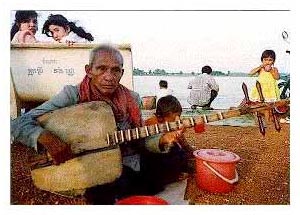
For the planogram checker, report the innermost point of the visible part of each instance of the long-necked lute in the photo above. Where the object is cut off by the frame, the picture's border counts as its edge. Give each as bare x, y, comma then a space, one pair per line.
91, 131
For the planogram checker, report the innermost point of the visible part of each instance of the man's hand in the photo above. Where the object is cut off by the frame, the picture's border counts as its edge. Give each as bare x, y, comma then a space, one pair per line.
58, 150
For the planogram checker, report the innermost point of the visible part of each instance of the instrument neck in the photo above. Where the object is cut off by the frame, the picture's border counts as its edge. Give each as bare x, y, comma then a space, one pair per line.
122, 136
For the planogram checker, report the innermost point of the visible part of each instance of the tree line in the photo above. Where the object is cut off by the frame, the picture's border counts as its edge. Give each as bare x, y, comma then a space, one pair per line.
163, 72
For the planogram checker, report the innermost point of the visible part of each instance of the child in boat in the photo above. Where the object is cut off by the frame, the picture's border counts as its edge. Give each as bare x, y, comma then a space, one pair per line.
267, 77
25, 27
63, 31
160, 169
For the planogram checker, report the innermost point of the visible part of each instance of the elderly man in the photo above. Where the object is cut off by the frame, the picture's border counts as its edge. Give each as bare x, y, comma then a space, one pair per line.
101, 83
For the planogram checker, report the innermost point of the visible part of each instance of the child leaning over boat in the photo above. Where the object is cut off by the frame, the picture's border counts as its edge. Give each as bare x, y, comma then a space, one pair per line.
63, 31
24, 27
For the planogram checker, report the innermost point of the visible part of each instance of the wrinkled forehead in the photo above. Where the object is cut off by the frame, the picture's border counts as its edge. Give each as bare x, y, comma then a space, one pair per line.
108, 56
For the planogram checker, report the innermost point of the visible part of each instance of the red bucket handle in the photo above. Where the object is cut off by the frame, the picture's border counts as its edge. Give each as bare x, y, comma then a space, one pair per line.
230, 181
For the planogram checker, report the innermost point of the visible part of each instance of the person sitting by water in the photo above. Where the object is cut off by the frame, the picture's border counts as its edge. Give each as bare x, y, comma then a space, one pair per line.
204, 89
163, 90
24, 27
63, 31
101, 83
161, 169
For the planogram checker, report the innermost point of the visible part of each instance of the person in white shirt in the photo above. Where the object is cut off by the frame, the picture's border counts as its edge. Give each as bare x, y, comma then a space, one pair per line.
63, 31
204, 89
163, 90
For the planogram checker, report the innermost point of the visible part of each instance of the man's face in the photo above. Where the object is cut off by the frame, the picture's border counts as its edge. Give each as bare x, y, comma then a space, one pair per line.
105, 72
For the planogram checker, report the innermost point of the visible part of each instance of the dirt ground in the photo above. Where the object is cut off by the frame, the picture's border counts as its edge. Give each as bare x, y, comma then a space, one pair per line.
264, 169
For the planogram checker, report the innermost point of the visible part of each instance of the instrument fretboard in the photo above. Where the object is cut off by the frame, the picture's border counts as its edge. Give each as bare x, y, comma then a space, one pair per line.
123, 136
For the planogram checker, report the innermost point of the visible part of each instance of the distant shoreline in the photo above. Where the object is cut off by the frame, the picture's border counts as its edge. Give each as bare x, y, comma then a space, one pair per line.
282, 75
188, 75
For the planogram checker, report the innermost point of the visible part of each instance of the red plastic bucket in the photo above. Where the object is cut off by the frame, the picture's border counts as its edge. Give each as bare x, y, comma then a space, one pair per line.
216, 170
142, 200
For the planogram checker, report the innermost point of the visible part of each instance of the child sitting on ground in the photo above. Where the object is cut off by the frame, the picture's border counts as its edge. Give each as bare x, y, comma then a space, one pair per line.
163, 168
63, 31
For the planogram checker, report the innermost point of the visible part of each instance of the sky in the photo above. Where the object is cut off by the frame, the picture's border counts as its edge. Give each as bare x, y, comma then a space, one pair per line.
187, 40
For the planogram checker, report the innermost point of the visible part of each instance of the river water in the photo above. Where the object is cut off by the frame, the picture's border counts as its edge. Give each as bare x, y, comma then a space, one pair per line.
230, 94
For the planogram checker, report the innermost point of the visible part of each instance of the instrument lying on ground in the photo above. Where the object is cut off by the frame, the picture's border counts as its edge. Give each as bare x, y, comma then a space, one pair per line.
90, 128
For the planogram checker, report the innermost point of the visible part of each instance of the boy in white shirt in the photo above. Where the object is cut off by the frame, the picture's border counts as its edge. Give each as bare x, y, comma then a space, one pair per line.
163, 90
